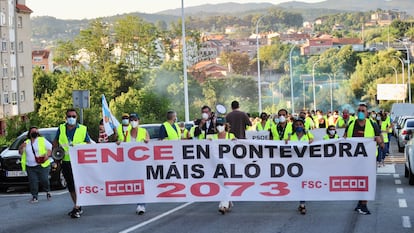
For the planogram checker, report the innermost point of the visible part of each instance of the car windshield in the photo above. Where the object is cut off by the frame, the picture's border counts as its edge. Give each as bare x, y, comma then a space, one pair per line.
410, 124
49, 134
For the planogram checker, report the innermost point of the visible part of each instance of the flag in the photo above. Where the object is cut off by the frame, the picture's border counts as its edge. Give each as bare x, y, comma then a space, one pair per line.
110, 122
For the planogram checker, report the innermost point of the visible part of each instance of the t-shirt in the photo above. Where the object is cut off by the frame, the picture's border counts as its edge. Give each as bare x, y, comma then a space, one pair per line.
238, 121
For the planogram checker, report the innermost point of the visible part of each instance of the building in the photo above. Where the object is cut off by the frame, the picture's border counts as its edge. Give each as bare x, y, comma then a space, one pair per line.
43, 59
16, 93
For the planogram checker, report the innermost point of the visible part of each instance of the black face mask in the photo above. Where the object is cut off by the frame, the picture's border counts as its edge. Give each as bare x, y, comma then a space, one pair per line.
34, 135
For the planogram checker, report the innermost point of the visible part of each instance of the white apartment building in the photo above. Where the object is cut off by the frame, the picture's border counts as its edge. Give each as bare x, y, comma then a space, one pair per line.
16, 89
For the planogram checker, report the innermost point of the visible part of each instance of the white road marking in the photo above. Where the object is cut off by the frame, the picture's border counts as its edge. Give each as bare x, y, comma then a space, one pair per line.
155, 218
402, 203
400, 190
406, 221
396, 176
397, 181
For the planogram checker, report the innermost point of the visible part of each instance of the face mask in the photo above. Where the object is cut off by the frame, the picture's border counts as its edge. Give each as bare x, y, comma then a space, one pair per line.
134, 124
71, 121
125, 121
331, 132
276, 120
204, 116
378, 118
335, 116
345, 116
361, 116
282, 119
34, 135
220, 128
299, 129
320, 117
373, 116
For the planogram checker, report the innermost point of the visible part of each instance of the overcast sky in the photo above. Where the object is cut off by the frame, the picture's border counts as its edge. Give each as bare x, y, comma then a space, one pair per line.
81, 9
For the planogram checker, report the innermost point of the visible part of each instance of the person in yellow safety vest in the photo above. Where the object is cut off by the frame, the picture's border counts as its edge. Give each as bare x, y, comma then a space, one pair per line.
330, 133
390, 128
336, 120
70, 134
123, 129
384, 126
265, 124
282, 127
346, 117
307, 120
35, 151
300, 134
363, 127
320, 121
170, 130
222, 129
185, 133
206, 125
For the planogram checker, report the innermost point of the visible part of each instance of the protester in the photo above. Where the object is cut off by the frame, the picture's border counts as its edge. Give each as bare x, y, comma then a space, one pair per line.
364, 127
103, 137
185, 133
170, 130
302, 135
123, 129
282, 127
238, 121
70, 134
330, 133
35, 152
206, 125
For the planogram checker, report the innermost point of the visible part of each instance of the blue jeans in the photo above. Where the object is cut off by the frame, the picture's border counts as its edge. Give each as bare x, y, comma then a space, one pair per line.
36, 175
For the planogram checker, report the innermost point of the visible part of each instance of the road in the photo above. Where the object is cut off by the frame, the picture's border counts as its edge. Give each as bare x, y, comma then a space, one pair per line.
392, 212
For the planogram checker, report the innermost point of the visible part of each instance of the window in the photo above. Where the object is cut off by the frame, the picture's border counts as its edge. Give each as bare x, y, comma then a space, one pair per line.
12, 46
14, 98
2, 18
22, 96
5, 98
21, 71
37, 59
19, 22
4, 46
5, 72
20, 49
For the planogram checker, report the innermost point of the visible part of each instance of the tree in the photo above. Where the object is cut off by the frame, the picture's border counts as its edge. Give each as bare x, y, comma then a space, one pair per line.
236, 61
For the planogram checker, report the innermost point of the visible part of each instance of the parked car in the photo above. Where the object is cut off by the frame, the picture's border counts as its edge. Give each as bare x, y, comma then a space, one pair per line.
154, 129
403, 129
11, 173
398, 122
409, 159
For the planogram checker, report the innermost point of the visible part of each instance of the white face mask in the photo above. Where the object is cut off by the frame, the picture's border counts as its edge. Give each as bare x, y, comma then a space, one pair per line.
221, 128
378, 118
204, 116
125, 121
71, 121
332, 132
282, 119
277, 120
134, 124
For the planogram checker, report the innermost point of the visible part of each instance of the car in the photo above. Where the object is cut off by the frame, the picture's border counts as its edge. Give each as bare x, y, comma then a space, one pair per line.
11, 173
409, 158
398, 124
403, 130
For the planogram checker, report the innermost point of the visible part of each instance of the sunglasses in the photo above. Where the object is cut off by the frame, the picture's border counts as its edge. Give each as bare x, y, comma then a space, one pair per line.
71, 116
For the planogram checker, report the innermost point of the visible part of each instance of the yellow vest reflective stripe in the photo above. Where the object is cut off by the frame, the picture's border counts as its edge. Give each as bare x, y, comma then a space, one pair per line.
42, 152
78, 138
172, 134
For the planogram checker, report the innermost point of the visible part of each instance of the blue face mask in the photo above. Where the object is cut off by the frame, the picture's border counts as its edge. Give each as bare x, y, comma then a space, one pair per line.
361, 116
276, 120
71, 121
299, 129
125, 121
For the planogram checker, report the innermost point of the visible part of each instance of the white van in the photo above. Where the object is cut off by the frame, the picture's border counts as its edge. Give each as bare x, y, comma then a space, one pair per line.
401, 109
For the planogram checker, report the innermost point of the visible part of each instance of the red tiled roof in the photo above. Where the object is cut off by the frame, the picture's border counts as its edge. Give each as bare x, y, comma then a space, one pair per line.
23, 8
43, 53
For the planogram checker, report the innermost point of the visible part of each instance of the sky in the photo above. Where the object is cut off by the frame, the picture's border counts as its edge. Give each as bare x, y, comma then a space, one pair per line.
87, 9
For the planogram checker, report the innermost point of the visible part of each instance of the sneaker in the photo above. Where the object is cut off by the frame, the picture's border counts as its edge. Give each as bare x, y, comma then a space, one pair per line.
34, 200
225, 206
140, 209
302, 209
48, 196
75, 213
363, 209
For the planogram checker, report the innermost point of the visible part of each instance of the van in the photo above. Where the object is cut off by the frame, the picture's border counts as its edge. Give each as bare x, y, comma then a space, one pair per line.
401, 109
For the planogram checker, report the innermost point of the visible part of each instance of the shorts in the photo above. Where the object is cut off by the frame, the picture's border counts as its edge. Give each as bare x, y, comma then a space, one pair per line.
67, 173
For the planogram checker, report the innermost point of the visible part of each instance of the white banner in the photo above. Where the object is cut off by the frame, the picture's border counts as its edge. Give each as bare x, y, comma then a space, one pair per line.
238, 170
391, 91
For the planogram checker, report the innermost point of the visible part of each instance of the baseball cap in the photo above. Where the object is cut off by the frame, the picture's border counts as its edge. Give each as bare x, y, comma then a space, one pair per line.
125, 115
133, 115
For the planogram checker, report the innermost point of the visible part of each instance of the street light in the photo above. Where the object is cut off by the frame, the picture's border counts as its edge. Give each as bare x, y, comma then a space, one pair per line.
330, 81
186, 106
291, 78
259, 89
402, 67
396, 75
409, 73
313, 81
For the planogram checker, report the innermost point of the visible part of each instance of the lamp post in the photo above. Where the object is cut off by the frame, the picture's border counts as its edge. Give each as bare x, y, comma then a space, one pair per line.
330, 81
259, 89
313, 81
291, 78
396, 75
409, 72
186, 107
402, 67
